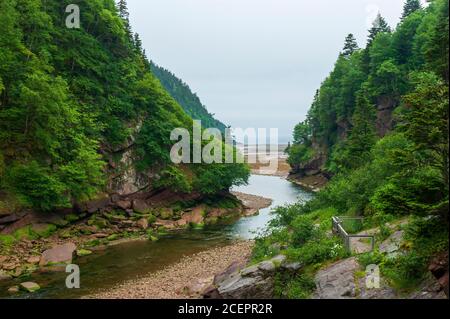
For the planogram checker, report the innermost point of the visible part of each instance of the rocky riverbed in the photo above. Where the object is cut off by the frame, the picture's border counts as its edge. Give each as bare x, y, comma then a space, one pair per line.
187, 278
46, 241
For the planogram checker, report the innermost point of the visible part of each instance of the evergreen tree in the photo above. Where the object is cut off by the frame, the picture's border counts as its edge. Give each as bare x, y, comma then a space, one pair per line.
362, 136
125, 15
138, 44
123, 10
410, 7
437, 52
350, 45
426, 121
379, 25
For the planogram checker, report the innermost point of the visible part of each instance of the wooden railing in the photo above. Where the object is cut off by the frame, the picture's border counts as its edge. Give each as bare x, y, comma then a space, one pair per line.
339, 230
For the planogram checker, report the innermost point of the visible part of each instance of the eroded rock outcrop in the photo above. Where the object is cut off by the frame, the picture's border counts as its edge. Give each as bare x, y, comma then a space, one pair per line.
252, 282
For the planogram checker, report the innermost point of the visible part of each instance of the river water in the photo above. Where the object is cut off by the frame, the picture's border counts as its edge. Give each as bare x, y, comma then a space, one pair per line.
108, 268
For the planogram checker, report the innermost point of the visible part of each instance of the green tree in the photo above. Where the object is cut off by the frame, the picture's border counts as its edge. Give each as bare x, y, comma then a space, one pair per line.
410, 7
350, 45
426, 121
437, 50
379, 25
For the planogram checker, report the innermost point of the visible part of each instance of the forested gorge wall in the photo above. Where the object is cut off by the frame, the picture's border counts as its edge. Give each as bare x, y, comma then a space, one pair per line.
82, 115
340, 129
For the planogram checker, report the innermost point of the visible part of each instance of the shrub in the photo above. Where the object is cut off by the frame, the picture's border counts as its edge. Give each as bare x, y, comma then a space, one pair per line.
297, 287
315, 252
7, 240
406, 271
36, 186
303, 230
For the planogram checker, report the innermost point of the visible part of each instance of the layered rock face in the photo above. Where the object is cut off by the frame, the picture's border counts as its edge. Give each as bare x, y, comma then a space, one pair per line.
249, 282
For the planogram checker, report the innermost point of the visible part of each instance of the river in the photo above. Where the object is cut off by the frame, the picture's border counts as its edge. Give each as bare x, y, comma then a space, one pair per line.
116, 264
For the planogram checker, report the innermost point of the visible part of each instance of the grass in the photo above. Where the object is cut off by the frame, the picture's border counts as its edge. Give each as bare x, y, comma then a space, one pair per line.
7, 240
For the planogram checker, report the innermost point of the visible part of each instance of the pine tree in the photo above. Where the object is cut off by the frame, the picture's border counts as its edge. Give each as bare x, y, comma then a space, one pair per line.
410, 7
379, 25
123, 10
437, 52
362, 135
125, 15
350, 45
138, 44
426, 121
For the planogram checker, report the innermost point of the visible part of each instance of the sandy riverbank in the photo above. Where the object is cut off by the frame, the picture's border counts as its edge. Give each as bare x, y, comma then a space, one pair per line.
183, 278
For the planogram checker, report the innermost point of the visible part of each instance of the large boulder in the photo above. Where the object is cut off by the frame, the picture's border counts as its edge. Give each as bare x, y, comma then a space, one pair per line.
253, 282
392, 244
337, 281
61, 254
196, 216
141, 206
439, 268
97, 205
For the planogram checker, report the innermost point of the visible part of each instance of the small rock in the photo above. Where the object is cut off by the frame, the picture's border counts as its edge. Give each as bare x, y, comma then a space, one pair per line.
30, 286
266, 266
33, 260
4, 275
13, 289
10, 266
292, 266
166, 214
3, 259
100, 235
122, 204
87, 230
17, 272
83, 252
278, 260
142, 223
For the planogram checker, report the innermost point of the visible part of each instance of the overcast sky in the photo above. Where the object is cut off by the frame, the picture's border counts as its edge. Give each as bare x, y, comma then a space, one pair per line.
254, 63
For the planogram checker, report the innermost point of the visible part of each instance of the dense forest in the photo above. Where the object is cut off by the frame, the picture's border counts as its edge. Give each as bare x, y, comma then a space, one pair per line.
73, 101
190, 102
378, 127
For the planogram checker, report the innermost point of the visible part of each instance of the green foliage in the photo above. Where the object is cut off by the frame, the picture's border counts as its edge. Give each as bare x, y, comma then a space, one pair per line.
299, 153
377, 173
297, 287
350, 45
316, 252
410, 7
174, 179
211, 179
303, 230
406, 271
379, 25
69, 95
7, 240
190, 102
36, 186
